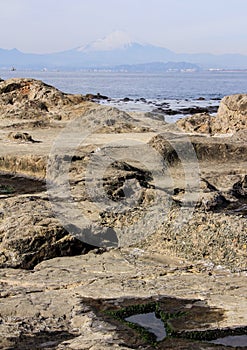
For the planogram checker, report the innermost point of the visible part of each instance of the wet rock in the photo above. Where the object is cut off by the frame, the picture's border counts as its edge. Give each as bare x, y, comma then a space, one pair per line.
126, 99
95, 97
18, 185
164, 104
166, 111
142, 99
188, 110
216, 99
196, 110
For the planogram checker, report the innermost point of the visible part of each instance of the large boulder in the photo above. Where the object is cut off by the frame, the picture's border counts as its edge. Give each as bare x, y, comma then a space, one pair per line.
30, 103
33, 94
29, 233
231, 118
232, 115
27, 98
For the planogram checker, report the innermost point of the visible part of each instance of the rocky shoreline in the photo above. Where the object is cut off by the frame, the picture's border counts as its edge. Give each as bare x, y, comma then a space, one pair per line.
103, 210
166, 109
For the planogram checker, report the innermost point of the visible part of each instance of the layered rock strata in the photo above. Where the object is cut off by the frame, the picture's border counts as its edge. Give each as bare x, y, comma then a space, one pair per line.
153, 216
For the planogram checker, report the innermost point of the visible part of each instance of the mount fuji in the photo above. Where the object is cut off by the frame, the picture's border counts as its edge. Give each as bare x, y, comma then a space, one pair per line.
116, 49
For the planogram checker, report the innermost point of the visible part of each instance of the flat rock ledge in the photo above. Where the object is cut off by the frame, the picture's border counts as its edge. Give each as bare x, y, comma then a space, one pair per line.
55, 305
189, 265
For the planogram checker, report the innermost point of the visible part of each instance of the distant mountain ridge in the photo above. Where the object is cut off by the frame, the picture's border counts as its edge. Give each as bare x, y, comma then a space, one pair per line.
115, 50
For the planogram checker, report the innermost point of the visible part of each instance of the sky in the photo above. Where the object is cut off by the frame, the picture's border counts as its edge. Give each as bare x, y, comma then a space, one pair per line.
191, 26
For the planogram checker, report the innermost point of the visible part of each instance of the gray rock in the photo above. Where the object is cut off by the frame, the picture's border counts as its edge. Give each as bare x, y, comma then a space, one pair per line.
196, 249
63, 300
230, 118
29, 233
232, 114
29, 98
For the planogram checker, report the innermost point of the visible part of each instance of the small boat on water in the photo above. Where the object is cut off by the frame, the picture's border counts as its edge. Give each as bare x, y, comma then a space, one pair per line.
13, 69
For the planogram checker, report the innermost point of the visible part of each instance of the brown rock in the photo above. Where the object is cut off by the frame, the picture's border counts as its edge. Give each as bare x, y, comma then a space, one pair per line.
52, 306
230, 118
29, 233
27, 98
20, 137
198, 123
232, 115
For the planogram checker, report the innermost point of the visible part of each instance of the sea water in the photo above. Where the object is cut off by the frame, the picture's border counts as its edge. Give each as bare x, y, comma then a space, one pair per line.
176, 89
173, 85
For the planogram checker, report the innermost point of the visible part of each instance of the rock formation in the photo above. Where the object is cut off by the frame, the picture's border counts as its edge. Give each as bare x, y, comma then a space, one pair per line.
230, 118
232, 114
154, 219
31, 97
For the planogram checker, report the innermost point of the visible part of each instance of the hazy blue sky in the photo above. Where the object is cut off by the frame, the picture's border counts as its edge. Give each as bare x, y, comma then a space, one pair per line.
217, 26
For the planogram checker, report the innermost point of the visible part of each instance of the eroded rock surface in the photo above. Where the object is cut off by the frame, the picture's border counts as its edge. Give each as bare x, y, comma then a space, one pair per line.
232, 114
56, 299
230, 118
30, 103
26, 98
30, 233
128, 171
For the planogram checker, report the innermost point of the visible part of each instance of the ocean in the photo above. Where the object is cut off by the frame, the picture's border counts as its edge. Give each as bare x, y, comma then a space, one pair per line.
174, 85
185, 89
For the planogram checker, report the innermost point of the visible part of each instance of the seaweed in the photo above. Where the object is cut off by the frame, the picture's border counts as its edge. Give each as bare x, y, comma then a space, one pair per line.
137, 309
6, 189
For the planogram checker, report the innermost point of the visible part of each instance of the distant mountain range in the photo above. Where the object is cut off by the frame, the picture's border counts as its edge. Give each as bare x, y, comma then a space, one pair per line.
117, 50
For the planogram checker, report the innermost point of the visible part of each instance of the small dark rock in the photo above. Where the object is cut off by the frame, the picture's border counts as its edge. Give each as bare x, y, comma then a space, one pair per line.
126, 99
142, 99
165, 104
98, 96
170, 111
196, 110
101, 97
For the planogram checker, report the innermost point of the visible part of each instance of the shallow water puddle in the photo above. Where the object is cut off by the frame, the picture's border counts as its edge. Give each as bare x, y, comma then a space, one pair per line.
150, 322
234, 341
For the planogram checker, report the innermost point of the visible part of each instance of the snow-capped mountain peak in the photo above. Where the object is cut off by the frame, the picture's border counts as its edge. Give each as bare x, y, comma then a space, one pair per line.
113, 41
